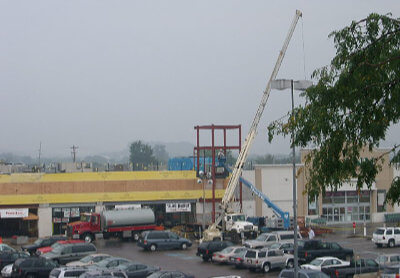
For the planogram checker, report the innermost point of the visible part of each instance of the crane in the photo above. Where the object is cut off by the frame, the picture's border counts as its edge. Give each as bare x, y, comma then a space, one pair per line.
212, 231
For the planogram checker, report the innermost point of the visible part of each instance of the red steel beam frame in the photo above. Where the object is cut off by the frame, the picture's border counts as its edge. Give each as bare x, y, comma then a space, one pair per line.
213, 148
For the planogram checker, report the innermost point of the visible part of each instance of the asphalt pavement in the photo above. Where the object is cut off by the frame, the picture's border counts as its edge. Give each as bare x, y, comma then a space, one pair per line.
187, 261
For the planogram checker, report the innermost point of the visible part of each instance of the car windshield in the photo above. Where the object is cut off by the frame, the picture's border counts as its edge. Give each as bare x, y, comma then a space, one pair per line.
55, 245
316, 262
381, 259
239, 217
58, 249
275, 246
227, 250
261, 237
38, 241
86, 259
85, 217
103, 263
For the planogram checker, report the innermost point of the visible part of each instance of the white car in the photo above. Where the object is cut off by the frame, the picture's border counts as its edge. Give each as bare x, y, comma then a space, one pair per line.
89, 260
324, 262
5, 247
224, 255
6, 271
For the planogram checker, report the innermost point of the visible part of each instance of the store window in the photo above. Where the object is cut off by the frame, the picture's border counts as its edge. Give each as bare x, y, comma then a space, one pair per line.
346, 206
381, 200
64, 215
312, 206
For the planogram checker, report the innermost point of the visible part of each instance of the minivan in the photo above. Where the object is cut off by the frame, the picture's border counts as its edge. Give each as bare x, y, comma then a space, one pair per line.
70, 252
153, 240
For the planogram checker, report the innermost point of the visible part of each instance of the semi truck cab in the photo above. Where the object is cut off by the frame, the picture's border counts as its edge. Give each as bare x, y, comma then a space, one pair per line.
86, 227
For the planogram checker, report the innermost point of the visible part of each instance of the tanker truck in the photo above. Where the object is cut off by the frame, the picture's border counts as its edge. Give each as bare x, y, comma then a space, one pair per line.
113, 223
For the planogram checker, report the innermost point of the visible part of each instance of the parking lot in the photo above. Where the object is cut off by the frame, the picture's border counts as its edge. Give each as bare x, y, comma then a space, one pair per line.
188, 262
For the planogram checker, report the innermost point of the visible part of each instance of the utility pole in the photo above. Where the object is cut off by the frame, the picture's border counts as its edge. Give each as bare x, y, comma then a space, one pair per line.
40, 153
74, 150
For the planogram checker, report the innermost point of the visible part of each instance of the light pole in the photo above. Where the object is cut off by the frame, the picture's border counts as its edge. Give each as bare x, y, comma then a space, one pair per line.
202, 178
282, 84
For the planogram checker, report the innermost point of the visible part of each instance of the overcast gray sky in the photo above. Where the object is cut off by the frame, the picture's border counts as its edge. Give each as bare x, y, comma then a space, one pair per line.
101, 74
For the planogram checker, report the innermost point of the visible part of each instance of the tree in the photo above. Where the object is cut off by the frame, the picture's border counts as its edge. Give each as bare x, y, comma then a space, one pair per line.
141, 155
352, 106
160, 153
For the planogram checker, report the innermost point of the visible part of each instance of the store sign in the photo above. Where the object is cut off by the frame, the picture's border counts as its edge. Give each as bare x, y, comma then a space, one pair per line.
14, 213
128, 206
177, 207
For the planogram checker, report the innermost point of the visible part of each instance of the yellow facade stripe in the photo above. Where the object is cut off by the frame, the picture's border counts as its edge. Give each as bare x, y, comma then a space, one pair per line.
107, 197
98, 176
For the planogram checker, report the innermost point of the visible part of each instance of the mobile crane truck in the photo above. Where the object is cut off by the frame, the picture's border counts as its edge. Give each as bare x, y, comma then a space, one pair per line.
214, 230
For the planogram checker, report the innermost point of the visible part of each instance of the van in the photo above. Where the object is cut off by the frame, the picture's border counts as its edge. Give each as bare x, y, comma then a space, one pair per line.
70, 252
267, 239
153, 240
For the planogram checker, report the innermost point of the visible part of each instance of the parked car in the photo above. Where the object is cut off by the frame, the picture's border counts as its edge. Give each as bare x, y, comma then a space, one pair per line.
224, 255
32, 267
42, 242
267, 239
89, 260
6, 271
10, 257
324, 262
391, 271
238, 259
103, 273
138, 270
359, 266
267, 259
208, 248
388, 236
70, 252
111, 262
43, 250
5, 247
169, 274
303, 273
311, 249
388, 259
287, 247
153, 240
70, 272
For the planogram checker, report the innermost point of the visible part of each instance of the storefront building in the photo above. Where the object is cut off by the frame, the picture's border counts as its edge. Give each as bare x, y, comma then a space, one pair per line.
51, 201
346, 204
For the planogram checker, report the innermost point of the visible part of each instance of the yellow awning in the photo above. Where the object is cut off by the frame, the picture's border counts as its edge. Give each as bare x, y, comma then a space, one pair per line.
31, 216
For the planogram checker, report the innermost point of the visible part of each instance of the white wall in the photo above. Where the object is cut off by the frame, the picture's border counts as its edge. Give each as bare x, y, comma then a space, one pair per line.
277, 185
45, 225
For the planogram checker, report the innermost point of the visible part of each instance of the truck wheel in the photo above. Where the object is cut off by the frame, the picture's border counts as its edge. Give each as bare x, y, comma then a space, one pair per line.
88, 238
290, 264
391, 243
153, 247
135, 236
184, 246
266, 267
